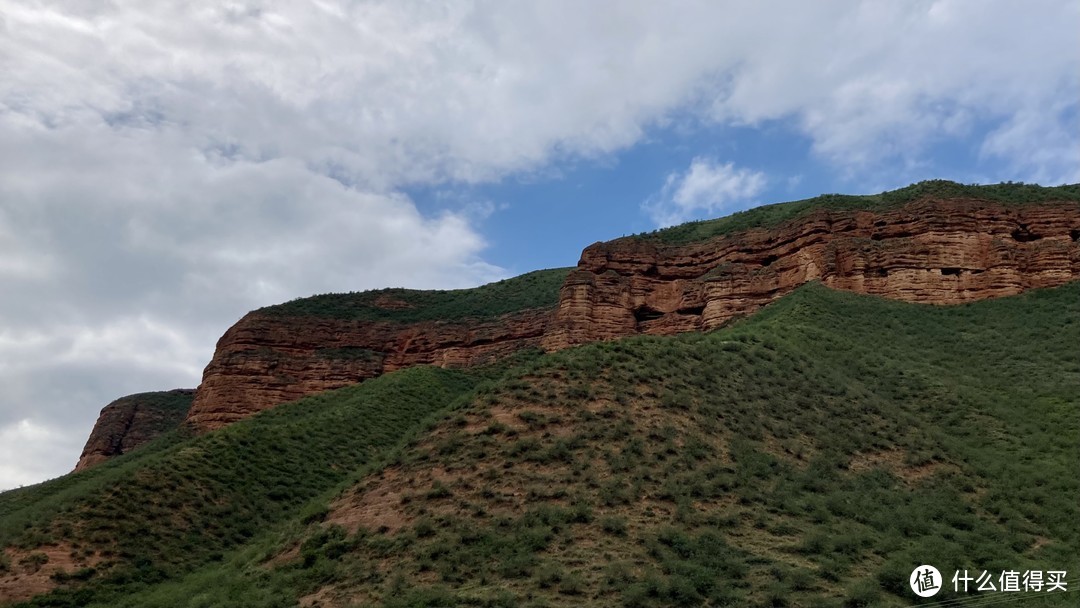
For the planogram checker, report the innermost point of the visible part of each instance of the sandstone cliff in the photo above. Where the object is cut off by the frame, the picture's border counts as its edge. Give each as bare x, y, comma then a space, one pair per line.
132, 421
265, 360
931, 250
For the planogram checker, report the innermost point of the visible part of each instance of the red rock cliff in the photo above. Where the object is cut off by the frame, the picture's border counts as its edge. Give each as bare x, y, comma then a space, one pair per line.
265, 360
938, 252
132, 421
930, 251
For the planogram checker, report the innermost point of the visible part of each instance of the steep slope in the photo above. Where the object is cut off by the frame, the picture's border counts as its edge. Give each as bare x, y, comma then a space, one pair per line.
934, 242
180, 501
131, 422
811, 454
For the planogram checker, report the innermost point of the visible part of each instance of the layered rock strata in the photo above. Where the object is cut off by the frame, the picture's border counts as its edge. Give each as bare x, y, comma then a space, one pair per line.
937, 252
265, 360
132, 421
930, 251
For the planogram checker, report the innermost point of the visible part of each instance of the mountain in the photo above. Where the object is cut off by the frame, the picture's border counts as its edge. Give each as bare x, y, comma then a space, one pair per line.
647, 441
934, 242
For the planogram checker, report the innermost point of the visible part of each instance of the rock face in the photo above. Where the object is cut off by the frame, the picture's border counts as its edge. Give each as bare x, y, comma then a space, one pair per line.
937, 252
132, 421
930, 251
265, 360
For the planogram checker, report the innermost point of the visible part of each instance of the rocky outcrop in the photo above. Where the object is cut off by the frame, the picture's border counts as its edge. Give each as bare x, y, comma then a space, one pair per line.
931, 251
265, 360
132, 421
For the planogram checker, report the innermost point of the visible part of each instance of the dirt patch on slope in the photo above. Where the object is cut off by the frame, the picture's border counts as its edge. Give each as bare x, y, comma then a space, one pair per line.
31, 572
378, 508
895, 462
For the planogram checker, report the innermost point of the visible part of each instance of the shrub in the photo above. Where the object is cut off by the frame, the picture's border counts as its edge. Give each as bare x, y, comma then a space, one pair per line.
438, 490
572, 583
863, 594
34, 561
614, 524
549, 575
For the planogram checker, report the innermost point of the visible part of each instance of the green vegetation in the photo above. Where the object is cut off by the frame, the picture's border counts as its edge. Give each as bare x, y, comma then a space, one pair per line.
167, 408
1009, 193
810, 455
174, 403
183, 501
539, 289
35, 502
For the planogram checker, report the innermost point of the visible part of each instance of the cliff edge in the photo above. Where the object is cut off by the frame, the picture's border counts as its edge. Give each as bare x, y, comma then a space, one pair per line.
132, 421
934, 242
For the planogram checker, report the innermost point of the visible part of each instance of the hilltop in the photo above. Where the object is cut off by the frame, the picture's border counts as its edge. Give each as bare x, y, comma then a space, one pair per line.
1008, 194
538, 289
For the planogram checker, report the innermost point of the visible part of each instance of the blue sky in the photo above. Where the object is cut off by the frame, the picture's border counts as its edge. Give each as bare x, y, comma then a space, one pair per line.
543, 219
167, 167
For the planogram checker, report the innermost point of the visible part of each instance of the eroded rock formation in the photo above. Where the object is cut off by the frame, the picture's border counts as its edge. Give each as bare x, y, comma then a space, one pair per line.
132, 421
938, 252
930, 251
265, 360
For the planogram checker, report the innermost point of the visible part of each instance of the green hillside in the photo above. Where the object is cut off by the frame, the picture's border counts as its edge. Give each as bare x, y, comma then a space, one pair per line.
182, 501
810, 455
770, 215
537, 289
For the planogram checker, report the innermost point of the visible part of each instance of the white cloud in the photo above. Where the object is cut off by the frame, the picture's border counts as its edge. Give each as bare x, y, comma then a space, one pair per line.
28, 452
1042, 143
165, 167
56, 378
706, 188
873, 83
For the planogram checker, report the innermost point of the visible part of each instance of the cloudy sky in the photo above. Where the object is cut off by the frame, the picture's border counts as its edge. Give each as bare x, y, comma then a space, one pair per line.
167, 166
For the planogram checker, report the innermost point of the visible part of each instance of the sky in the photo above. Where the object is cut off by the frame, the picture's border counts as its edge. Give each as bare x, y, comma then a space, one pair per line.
166, 167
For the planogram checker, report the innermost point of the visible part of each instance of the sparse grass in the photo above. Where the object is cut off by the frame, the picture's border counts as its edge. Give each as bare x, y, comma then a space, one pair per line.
167, 410
167, 510
1010, 193
538, 289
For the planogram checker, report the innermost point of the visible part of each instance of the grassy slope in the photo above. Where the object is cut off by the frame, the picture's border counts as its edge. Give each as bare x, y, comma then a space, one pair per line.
182, 501
810, 455
771, 215
538, 289
171, 408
